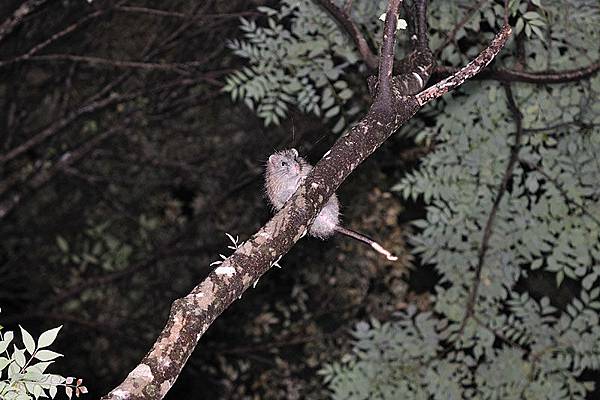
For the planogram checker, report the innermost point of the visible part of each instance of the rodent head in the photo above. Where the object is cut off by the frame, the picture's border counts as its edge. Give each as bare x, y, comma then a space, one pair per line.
285, 163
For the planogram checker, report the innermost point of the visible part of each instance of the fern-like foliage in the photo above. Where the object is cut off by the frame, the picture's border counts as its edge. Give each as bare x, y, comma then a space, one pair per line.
517, 339
297, 56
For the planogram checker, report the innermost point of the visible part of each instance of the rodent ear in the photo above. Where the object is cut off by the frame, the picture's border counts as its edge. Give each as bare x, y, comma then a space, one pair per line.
295, 152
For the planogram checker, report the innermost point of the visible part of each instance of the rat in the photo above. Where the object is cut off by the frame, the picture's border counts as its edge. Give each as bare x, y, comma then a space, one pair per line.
284, 172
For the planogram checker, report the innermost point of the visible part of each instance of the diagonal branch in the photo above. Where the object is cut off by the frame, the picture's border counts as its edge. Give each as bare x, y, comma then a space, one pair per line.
343, 18
180, 68
561, 189
471, 69
450, 36
18, 16
192, 315
40, 46
44, 175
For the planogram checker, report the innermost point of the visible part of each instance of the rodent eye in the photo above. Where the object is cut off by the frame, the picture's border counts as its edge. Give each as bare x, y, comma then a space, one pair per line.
283, 164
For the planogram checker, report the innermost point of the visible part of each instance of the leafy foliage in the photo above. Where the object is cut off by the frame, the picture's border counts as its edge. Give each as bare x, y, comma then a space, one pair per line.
522, 340
23, 370
307, 65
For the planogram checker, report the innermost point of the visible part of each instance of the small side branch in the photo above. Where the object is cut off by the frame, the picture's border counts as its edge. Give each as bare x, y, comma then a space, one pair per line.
18, 16
543, 77
487, 231
44, 175
471, 69
560, 188
458, 26
386, 63
40, 46
414, 70
343, 18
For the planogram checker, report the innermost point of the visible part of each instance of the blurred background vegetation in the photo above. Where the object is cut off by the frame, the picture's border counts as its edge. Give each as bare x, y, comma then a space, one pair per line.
124, 162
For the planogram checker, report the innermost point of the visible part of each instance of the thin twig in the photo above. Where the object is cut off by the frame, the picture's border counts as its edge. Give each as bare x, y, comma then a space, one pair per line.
343, 18
18, 16
180, 68
559, 187
487, 231
458, 26
175, 14
35, 49
548, 77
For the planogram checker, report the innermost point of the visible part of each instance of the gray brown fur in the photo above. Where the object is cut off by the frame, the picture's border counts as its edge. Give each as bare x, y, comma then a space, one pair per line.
284, 172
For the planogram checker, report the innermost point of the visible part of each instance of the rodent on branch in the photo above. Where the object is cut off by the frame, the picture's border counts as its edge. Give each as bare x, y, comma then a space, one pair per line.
284, 172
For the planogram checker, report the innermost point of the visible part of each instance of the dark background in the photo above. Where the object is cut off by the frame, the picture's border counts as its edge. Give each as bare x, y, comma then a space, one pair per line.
125, 180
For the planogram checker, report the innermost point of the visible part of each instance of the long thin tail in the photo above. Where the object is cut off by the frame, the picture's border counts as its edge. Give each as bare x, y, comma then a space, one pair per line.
376, 246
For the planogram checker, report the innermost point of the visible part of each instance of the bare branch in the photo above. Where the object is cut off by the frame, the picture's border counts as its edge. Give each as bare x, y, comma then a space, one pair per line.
18, 16
342, 16
450, 37
487, 231
560, 188
547, 77
174, 14
58, 125
53, 38
180, 68
386, 59
45, 174
471, 69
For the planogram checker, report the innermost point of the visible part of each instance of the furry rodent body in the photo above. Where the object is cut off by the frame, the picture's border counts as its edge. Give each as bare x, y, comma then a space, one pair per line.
284, 173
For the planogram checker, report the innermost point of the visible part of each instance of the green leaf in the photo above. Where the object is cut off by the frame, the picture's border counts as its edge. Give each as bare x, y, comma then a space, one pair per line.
4, 345
560, 276
519, 26
48, 337
47, 355
62, 244
332, 112
28, 340
3, 363
19, 357
345, 94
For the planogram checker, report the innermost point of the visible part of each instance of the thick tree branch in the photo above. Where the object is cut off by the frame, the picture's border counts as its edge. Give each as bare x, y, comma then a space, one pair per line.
191, 315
